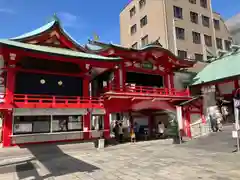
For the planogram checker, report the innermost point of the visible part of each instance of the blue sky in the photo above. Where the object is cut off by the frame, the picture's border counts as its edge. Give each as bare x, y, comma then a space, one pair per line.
81, 18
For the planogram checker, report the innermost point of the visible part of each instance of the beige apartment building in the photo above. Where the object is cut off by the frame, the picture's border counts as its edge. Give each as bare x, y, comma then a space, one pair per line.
189, 28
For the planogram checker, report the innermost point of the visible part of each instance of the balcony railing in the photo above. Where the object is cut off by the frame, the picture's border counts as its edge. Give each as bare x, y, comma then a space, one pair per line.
48, 101
148, 90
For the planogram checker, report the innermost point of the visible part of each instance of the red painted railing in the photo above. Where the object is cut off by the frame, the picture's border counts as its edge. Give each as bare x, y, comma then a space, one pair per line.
32, 98
148, 90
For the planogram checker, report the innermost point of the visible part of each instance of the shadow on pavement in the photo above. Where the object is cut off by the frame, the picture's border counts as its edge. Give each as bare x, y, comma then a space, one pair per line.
48, 161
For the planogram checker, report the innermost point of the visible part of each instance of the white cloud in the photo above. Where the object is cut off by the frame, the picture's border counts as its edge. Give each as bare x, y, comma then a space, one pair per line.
69, 20
6, 11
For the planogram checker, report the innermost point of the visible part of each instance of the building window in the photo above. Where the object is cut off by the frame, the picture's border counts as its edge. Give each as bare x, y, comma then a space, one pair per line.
133, 29
219, 43
143, 21
216, 24
196, 37
67, 123
133, 11
178, 12
135, 45
144, 41
194, 17
208, 40
192, 1
203, 3
31, 124
142, 3
198, 57
227, 45
182, 54
97, 122
180, 33
205, 21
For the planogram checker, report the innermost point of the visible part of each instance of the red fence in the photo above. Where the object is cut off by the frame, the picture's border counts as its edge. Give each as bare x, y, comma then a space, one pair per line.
32, 98
149, 90
46, 101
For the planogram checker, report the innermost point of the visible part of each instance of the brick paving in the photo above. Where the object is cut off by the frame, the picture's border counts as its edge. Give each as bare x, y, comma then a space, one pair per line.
144, 161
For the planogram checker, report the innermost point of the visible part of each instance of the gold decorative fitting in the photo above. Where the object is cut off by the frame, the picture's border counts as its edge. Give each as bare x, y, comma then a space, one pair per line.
42, 81
60, 83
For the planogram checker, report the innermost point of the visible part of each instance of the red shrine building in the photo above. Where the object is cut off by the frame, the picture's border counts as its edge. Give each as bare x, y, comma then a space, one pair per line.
54, 89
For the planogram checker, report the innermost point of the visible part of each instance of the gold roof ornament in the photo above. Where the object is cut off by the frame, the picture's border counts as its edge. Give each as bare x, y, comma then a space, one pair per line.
95, 37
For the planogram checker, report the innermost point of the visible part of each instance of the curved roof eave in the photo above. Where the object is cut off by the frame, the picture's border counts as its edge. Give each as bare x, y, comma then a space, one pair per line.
150, 46
45, 28
35, 32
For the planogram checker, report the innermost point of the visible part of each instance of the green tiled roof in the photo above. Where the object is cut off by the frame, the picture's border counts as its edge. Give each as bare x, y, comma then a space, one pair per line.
224, 67
54, 22
36, 31
56, 51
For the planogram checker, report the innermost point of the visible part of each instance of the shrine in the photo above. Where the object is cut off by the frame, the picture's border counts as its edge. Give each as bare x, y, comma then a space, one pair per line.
53, 89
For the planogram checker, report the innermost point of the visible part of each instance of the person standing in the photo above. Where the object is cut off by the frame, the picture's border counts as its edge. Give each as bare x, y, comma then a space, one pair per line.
136, 129
116, 131
132, 135
161, 129
120, 132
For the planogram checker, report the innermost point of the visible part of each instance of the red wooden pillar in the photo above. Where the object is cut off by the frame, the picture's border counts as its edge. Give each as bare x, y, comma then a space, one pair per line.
124, 75
106, 126
236, 85
116, 78
166, 81
7, 128
171, 80
8, 115
87, 126
86, 88
202, 115
87, 117
10, 85
188, 122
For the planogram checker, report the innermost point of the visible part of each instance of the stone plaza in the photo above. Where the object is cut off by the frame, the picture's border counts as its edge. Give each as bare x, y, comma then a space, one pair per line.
141, 161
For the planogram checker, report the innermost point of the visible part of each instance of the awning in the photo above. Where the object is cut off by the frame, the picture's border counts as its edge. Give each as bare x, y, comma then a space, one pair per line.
49, 111
156, 105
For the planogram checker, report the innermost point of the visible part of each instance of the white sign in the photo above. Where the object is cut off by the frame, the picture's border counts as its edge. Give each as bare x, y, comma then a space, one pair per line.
179, 117
235, 134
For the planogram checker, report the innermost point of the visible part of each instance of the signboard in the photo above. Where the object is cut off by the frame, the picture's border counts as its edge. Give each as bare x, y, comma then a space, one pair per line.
48, 111
147, 65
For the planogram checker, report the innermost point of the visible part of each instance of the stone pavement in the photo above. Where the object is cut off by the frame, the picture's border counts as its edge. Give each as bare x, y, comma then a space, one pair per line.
143, 161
